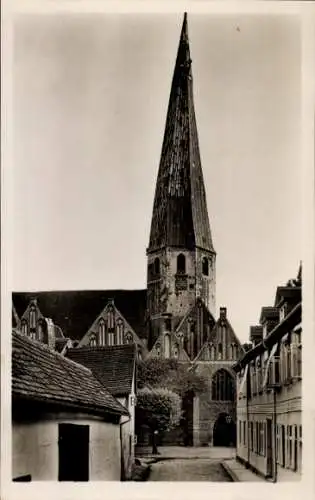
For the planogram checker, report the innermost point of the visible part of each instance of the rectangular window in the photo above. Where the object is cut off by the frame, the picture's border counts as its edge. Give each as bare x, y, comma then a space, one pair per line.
283, 441
290, 446
73, 452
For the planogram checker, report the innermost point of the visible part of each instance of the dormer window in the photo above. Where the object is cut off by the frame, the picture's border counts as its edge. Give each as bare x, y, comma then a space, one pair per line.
181, 264
205, 266
282, 312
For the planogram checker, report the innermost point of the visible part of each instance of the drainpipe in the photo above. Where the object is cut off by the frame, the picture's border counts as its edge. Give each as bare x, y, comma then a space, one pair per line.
275, 434
122, 465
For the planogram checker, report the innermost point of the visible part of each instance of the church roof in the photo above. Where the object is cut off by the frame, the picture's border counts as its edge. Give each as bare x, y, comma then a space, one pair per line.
180, 216
75, 311
113, 366
40, 374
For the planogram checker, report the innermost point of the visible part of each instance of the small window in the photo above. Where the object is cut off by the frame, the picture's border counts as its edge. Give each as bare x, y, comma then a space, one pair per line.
24, 327
128, 338
181, 264
205, 266
93, 342
158, 349
157, 266
175, 350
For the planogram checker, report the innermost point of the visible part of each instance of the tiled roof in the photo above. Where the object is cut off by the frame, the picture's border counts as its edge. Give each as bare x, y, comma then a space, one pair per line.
75, 311
113, 366
180, 216
41, 374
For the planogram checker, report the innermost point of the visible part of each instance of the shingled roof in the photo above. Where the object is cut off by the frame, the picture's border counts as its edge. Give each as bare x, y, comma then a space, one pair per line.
40, 374
180, 216
75, 311
113, 366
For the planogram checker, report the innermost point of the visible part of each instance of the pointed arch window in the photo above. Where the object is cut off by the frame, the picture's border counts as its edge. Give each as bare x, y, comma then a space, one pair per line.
220, 351
33, 333
157, 266
93, 340
42, 331
24, 327
120, 331
175, 350
128, 338
223, 386
158, 350
111, 326
212, 352
205, 266
181, 264
101, 332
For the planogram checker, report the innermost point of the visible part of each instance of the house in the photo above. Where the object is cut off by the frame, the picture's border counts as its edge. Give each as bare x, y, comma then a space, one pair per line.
115, 368
269, 438
65, 425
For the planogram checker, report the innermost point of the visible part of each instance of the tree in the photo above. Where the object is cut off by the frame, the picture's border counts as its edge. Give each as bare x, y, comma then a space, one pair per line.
158, 408
170, 374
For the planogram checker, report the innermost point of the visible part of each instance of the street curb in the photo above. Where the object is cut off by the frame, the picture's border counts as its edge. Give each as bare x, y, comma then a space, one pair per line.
229, 471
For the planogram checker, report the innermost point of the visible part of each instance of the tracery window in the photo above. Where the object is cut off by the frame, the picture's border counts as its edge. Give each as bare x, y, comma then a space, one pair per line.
223, 386
181, 264
102, 332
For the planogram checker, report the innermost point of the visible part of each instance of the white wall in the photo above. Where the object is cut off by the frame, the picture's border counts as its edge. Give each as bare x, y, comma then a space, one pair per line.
35, 448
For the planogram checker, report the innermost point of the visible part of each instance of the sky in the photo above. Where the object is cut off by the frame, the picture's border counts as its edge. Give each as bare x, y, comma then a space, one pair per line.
90, 97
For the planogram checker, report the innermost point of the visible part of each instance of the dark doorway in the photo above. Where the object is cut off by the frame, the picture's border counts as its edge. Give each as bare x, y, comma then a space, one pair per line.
187, 422
224, 431
73, 452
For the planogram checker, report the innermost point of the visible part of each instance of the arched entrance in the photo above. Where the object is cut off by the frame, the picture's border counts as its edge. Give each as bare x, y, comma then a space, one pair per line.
224, 431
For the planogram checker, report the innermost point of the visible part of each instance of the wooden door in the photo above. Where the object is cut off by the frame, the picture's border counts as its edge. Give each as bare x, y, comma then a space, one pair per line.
73, 452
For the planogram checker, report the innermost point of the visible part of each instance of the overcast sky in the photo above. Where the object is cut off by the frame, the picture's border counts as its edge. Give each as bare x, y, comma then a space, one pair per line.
90, 101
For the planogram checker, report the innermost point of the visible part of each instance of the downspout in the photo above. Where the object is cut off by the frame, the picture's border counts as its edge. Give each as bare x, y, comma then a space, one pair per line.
122, 463
275, 435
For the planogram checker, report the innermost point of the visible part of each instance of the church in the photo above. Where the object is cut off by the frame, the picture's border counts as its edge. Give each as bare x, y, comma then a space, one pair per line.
175, 316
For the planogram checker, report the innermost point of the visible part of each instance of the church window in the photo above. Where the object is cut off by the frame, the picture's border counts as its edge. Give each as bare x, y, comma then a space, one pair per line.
42, 331
120, 331
129, 338
93, 341
212, 352
102, 332
111, 326
222, 386
175, 351
24, 327
167, 346
181, 264
158, 350
220, 351
205, 266
157, 266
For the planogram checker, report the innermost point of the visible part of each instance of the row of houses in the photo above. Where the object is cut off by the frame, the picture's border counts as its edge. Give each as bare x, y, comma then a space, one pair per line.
269, 418
73, 415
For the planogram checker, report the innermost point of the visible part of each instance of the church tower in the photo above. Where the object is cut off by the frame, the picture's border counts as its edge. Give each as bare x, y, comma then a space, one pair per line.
181, 256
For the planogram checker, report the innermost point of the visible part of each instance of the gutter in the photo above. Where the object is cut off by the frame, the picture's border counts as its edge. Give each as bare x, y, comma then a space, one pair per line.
279, 330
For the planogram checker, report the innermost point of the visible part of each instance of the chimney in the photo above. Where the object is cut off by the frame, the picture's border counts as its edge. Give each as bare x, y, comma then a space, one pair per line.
51, 333
256, 334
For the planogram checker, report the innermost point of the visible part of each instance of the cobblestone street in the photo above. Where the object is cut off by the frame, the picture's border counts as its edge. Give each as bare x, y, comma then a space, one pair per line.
188, 470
